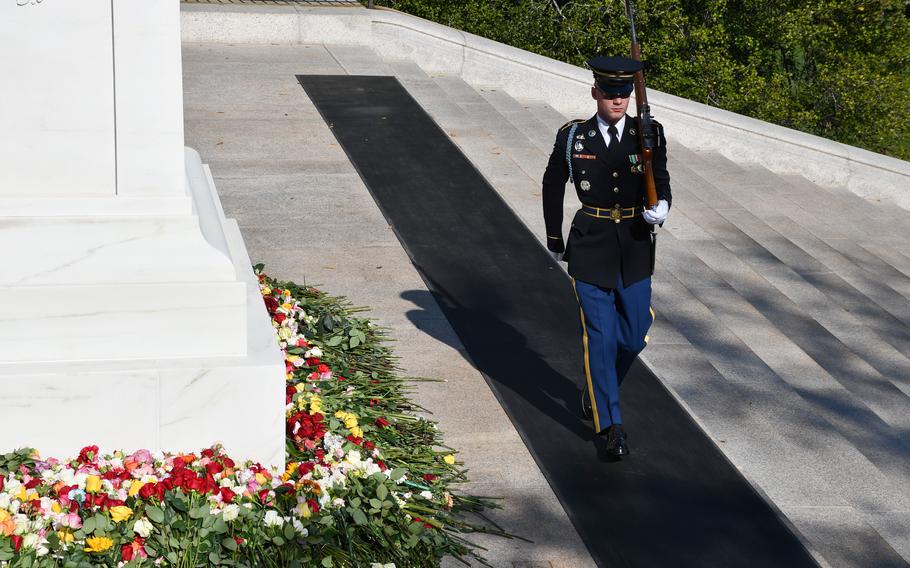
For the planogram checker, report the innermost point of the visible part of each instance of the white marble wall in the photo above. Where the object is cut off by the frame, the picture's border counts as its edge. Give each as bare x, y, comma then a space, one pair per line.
56, 99
129, 313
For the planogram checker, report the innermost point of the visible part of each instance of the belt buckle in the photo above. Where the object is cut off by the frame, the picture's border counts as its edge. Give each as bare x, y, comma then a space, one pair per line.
616, 214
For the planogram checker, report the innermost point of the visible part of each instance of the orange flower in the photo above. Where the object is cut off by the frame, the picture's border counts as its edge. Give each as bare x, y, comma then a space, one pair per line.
7, 525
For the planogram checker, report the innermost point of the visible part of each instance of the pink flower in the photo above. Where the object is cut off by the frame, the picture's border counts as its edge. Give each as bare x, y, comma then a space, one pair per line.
72, 520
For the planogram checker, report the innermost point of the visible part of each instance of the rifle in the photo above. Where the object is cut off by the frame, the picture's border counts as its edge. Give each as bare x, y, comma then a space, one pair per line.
647, 134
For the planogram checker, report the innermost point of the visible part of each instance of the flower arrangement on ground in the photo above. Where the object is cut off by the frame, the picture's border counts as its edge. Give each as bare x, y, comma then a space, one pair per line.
368, 481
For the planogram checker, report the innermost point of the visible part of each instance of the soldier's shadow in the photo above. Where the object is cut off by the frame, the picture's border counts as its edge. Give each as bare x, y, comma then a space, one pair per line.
519, 369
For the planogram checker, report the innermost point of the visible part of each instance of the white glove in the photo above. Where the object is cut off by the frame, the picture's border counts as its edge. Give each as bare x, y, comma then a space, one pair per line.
557, 256
658, 213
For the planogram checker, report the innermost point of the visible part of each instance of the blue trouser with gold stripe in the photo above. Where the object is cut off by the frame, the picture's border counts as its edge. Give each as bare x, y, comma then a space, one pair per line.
614, 325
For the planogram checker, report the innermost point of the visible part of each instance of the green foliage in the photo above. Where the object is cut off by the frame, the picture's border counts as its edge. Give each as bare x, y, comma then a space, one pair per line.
835, 68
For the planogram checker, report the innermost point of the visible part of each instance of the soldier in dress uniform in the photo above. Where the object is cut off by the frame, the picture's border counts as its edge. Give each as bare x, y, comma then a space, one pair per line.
610, 245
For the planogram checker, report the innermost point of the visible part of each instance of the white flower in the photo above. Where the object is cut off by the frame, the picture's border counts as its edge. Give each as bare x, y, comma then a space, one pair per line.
4, 501
313, 352
298, 526
379, 565
272, 519
30, 540
143, 527
426, 495
338, 502
231, 512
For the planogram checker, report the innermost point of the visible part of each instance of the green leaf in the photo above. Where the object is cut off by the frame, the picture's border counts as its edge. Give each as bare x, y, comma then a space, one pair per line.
229, 543
376, 503
397, 473
214, 558
88, 525
155, 514
359, 517
335, 340
355, 341
199, 512
220, 526
289, 531
382, 492
172, 557
327, 562
279, 541
179, 504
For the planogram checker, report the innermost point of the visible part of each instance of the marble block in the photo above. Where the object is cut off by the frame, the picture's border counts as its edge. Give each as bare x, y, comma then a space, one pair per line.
174, 404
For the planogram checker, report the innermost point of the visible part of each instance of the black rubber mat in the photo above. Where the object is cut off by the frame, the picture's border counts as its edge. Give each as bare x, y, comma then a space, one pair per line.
676, 501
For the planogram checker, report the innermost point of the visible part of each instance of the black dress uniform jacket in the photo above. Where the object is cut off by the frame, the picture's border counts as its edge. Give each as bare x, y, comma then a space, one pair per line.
599, 248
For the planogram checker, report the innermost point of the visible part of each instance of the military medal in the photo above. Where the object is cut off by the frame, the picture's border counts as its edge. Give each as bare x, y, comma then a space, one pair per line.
579, 146
585, 185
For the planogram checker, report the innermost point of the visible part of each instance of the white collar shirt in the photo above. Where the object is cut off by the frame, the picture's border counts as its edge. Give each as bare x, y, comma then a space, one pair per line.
603, 126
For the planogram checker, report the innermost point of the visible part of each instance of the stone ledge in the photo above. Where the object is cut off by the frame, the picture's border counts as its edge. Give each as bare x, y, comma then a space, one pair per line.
480, 61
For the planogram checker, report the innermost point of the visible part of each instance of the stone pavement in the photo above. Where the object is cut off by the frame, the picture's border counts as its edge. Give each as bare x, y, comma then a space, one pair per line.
783, 316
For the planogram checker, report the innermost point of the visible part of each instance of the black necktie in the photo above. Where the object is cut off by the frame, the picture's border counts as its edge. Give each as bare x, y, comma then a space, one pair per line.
614, 139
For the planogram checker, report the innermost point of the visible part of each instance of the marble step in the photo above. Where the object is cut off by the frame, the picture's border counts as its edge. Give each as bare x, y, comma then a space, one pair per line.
521, 117
782, 231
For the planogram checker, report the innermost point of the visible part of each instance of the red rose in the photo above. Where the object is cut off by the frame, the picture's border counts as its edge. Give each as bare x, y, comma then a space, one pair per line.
305, 468
429, 477
208, 453
239, 540
302, 343
228, 462
313, 505
374, 402
382, 422
227, 495
214, 467
17, 542
147, 490
1, 483
88, 454
369, 445
271, 304
279, 317
323, 368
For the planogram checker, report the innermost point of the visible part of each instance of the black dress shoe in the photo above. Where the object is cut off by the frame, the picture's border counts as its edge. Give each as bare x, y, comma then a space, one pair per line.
616, 441
586, 411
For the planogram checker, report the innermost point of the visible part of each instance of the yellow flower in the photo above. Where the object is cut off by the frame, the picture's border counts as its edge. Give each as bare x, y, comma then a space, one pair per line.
135, 486
300, 387
266, 291
4, 515
289, 471
98, 544
287, 306
357, 432
55, 507
260, 479
287, 292
22, 493
290, 376
449, 459
93, 484
120, 513
66, 536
